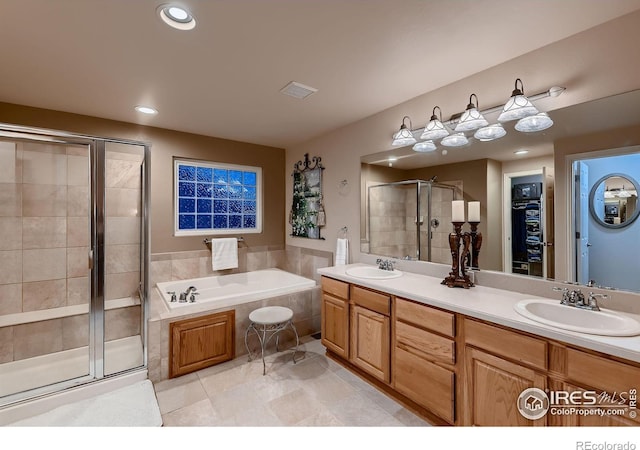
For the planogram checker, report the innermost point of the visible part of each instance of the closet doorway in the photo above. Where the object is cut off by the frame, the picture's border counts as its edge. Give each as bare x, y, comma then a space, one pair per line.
528, 223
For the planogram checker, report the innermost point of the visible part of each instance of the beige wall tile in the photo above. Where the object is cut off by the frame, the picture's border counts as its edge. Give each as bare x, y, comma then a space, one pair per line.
41, 147
121, 285
10, 266
123, 202
276, 258
44, 264
44, 168
77, 170
44, 232
159, 271
10, 168
10, 200
122, 322
38, 338
78, 292
75, 331
77, 201
48, 294
123, 174
10, 233
182, 269
78, 150
77, 262
126, 152
77, 232
6, 344
122, 258
256, 261
43, 200
10, 298
123, 230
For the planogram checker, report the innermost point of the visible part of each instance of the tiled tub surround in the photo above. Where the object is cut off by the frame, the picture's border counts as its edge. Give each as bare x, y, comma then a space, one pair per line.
44, 245
196, 264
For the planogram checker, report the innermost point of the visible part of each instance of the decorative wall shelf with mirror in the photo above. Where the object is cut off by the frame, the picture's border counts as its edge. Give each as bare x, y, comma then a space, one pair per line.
480, 170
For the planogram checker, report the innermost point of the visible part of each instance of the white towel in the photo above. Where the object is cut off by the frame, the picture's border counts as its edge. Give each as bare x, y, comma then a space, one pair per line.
342, 252
224, 253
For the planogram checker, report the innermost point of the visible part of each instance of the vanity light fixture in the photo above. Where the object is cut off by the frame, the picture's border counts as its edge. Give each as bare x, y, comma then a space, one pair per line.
455, 140
490, 133
471, 119
404, 136
176, 17
435, 129
518, 106
424, 147
146, 110
537, 122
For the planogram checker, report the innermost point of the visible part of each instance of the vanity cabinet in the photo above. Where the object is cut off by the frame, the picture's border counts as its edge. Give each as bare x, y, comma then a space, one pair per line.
370, 332
500, 364
424, 355
334, 325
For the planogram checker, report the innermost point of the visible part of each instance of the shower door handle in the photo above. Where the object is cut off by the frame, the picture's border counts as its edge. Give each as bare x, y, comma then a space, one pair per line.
90, 260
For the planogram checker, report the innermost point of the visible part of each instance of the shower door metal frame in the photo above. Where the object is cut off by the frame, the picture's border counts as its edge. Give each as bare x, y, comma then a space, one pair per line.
96, 260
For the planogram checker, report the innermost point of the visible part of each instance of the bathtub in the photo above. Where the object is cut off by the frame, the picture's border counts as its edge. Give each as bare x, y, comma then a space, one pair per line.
235, 289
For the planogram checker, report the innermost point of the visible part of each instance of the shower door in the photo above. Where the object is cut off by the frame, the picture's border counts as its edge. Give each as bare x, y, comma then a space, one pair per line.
72, 260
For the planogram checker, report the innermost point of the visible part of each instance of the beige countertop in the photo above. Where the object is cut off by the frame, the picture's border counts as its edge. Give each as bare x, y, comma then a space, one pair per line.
490, 304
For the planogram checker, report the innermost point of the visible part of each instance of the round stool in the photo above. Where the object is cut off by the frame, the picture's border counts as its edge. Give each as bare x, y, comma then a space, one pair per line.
268, 322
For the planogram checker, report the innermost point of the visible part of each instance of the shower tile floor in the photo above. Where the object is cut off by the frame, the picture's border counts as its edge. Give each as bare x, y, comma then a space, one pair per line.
315, 391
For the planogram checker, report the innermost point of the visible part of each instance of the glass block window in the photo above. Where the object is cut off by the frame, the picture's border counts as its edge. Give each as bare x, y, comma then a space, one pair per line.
215, 198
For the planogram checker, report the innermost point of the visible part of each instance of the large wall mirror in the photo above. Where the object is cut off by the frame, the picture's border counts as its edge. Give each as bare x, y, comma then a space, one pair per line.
499, 174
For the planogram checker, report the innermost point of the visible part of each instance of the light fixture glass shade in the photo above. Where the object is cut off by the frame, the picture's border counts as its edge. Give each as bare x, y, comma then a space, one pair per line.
434, 130
455, 140
531, 124
424, 147
404, 136
490, 133
517, 107
471, 120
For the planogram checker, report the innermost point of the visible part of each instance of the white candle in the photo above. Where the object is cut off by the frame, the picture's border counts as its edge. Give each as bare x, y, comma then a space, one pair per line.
474, 211
457, 211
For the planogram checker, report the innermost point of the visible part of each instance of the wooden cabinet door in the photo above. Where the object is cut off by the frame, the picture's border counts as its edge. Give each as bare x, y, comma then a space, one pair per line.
201, 342
335, 325
370, 341
492, 386
591, 417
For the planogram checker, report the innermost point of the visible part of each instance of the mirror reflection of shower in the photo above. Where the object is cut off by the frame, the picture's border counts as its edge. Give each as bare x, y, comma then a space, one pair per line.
406, 218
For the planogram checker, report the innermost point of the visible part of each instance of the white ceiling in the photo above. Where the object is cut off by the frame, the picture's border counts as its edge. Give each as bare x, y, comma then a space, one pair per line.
102, 57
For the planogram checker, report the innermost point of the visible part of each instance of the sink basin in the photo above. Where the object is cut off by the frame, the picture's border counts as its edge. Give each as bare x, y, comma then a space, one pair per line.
604, 322
372, 273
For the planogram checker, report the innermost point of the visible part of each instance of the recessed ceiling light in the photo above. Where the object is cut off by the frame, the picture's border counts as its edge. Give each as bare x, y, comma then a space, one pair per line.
521, 152
177, 17
146, 110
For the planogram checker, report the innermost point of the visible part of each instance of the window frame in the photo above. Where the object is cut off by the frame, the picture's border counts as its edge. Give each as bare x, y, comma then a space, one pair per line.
215, 231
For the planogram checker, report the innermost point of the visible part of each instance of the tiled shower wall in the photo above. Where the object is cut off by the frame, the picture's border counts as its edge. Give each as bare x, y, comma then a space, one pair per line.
44, 244
182, 265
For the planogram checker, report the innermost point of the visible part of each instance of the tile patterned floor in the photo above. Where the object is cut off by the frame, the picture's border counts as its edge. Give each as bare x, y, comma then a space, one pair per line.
313, 392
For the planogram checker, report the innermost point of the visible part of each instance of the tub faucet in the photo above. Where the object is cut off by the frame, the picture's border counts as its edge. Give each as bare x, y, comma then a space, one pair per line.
185, 294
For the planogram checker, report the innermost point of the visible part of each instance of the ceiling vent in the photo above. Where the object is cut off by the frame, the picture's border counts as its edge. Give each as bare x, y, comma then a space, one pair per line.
298, 90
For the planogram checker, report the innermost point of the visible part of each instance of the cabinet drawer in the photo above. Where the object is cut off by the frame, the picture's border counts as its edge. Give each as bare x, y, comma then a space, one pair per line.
335, 287
426, 317
601, 373
427, 384
509, 344
423, 343
374, 301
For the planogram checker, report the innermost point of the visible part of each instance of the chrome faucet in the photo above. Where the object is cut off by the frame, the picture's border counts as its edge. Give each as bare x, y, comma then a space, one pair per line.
185, 294
565, 294
592, 303
577, 299
384, 264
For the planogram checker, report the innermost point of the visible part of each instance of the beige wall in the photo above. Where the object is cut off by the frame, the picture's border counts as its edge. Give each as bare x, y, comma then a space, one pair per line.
165, 144
591, 65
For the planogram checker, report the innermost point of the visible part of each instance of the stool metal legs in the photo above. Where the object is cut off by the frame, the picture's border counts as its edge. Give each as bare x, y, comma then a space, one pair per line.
261, 330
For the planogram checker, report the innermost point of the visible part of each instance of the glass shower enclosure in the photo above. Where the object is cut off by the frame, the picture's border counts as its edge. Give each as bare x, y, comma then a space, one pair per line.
410, 220
73, 260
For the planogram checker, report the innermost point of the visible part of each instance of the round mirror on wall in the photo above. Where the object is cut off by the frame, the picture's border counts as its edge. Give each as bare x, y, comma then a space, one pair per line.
613, 200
